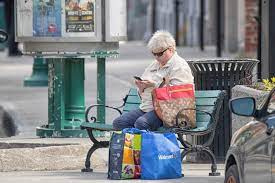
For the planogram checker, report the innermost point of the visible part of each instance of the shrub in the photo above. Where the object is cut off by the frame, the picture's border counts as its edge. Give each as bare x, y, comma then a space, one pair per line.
269, 84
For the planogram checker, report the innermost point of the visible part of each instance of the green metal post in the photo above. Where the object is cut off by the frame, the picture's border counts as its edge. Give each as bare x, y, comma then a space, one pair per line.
39, 76
74, 87
51, 109
66, 106
59, 107
101, 89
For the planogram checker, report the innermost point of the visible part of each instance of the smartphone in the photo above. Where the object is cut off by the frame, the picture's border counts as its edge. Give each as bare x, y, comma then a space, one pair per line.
137, 78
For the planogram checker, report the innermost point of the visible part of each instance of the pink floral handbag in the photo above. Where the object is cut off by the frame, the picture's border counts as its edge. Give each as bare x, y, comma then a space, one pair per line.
170, 100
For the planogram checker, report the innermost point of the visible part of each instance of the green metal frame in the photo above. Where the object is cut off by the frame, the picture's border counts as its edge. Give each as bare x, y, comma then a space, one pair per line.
101, 98
66, 106
66, 101
101, 80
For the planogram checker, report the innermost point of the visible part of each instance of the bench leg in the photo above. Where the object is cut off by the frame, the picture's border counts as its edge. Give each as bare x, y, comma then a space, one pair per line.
213, 160
185, 152
208, 152
183, 142
96, 144
88, 157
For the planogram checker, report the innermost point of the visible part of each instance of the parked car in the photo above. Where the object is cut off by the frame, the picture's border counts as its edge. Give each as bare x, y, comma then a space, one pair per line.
251, 156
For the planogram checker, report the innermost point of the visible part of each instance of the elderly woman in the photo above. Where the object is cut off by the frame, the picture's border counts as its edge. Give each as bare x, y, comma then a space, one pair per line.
167, 64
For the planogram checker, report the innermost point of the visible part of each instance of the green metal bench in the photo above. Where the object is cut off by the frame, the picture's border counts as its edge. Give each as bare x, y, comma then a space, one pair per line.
208, 104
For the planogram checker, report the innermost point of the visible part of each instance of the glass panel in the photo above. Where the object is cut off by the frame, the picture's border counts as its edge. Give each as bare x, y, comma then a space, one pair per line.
243, 106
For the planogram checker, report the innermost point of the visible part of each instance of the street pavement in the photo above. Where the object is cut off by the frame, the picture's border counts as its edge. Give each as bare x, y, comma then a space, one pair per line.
60, 160
97, 177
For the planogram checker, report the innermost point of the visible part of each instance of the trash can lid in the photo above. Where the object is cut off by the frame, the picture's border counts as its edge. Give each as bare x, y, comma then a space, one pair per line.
223, 60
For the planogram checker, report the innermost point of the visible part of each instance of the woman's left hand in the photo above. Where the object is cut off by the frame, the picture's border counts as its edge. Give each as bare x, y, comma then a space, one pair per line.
147, 83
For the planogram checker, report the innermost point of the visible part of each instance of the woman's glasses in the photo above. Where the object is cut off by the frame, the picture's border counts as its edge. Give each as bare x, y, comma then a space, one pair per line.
159, 54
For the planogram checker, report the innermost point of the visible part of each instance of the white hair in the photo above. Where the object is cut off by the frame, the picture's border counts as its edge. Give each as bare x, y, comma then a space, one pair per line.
161, 40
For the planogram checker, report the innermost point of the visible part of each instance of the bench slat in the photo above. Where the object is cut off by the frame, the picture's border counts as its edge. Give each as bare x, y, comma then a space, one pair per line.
199, 102
207, 93
199, 129
133, 91
202, 124
198, 93
98, 126
205, 108
129, 107
202, 119
133, 99
206, 101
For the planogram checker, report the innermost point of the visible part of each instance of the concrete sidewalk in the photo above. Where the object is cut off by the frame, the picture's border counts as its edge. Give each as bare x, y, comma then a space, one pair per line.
60, 160
74, 176
52, 154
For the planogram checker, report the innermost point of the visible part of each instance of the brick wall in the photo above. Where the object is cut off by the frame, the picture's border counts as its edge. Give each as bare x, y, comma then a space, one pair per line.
251, 28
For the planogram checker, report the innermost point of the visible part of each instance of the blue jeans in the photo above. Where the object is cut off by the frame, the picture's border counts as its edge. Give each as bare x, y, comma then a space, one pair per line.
138, 119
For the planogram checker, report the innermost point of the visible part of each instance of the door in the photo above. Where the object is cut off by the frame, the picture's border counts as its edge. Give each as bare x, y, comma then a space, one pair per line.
271, 123
258, 150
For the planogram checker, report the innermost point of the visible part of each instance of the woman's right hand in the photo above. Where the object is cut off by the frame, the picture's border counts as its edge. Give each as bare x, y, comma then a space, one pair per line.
144, 84
141, 86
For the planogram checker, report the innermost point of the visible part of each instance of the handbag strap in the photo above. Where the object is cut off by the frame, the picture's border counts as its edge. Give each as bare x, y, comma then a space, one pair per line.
167, 88
162, 83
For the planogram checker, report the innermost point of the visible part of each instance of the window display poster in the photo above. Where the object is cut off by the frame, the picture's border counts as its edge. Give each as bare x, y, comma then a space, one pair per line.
47, 18
80, 16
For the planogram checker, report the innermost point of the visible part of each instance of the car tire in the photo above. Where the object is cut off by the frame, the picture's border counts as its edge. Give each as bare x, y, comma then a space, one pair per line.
232, 175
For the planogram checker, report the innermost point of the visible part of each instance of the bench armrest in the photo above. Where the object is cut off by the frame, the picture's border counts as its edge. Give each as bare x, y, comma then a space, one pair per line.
212, 119
187, 131
93, 119
209, 130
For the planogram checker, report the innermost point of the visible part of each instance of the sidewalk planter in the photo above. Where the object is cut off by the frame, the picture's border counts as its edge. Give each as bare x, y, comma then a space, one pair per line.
246, 91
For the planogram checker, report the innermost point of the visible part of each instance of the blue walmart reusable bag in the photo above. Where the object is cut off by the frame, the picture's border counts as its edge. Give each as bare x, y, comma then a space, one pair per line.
160, 156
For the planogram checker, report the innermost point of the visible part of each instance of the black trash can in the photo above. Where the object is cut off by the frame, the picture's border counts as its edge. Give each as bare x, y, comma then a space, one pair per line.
222, 74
